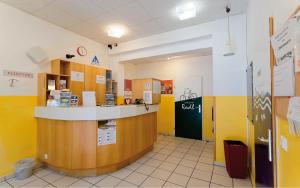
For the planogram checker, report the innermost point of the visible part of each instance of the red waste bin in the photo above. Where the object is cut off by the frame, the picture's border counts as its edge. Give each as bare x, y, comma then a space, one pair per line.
236, 157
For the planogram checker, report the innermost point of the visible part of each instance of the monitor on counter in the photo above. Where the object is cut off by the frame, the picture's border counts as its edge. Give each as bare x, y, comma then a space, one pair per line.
89, 98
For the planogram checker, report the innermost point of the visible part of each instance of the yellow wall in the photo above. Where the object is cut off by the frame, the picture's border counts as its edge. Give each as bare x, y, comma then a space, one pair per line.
288, 162
17, 131
230, 122
166, 115
120, 100
251, 148
207, 124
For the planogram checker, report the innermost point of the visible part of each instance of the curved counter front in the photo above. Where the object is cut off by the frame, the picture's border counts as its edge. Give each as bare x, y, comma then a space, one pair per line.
68, 139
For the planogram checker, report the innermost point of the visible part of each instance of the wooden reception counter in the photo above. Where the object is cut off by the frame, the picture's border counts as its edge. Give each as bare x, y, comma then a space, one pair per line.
67, 138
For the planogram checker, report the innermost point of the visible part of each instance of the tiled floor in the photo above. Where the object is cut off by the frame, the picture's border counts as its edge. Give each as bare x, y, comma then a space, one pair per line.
174, 162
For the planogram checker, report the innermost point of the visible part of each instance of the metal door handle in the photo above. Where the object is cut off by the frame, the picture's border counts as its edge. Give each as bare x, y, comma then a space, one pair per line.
270, 144
262, 139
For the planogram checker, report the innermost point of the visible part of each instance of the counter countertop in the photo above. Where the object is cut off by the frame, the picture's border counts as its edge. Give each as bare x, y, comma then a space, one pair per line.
92, 113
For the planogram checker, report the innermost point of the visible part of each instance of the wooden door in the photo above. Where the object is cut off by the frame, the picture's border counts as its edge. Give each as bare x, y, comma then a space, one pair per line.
100, 86
77, 80
95, 81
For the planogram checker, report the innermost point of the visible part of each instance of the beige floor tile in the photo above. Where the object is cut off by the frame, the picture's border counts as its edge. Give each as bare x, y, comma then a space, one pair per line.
196, 149
206, 160
145, 169
17, 183
188, 163
204, 167
81, 184
213, 185
133, 166
136, 178
49, 186
207, 154
177, 154
65, 181
150, 154
42, 172
160, 157
193, 152
9, 177
142, 160
126, 184
122, 173
242, 183
191, 157
161, 174
221, 180
184, 170
178, 179
153, 182
36, 183
174, 160
165, 151
94, 179
221, 171
208, 150
109, 181
50, 178
153, 162
197, 183
206, 176
168, 166
182, 150
156, 149
171, 185
4, 184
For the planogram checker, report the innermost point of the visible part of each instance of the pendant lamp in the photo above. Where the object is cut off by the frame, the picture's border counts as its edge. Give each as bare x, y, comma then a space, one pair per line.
228, 51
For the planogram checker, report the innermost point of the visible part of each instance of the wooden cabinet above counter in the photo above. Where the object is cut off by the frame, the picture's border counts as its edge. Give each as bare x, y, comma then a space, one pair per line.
74, 76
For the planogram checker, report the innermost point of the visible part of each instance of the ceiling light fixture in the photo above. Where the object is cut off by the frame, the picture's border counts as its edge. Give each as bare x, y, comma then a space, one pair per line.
228, 46
115, 31
186, 11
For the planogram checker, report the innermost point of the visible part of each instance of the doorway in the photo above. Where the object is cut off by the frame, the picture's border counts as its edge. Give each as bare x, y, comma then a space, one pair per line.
188, 118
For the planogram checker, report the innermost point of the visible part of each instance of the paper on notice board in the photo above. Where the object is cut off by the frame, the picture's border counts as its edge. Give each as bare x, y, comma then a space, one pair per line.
77, 76
284, 79
297, 45
283, 42
100, 79
293, 115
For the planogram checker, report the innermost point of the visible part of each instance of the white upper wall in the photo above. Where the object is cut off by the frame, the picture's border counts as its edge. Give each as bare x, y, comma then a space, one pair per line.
20, 31
229, 76
185, 72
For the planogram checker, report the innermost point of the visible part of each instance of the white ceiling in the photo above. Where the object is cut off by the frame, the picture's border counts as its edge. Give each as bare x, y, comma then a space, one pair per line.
173, 56
142, 17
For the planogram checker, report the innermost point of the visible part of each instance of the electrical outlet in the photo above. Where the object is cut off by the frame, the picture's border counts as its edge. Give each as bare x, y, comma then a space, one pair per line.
46, 156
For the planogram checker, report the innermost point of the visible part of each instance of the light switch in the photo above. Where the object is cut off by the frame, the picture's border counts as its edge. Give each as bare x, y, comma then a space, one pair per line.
284, 143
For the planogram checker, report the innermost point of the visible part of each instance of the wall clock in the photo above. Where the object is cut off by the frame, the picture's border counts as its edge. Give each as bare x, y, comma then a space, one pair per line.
82, 51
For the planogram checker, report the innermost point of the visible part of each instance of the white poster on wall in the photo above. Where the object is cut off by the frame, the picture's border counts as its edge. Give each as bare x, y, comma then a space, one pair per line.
284, 79
100, 79
293, 115
77, 76
156, 87
147, 97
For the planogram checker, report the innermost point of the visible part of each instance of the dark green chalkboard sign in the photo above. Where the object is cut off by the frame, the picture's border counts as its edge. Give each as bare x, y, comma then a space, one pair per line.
188, 118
